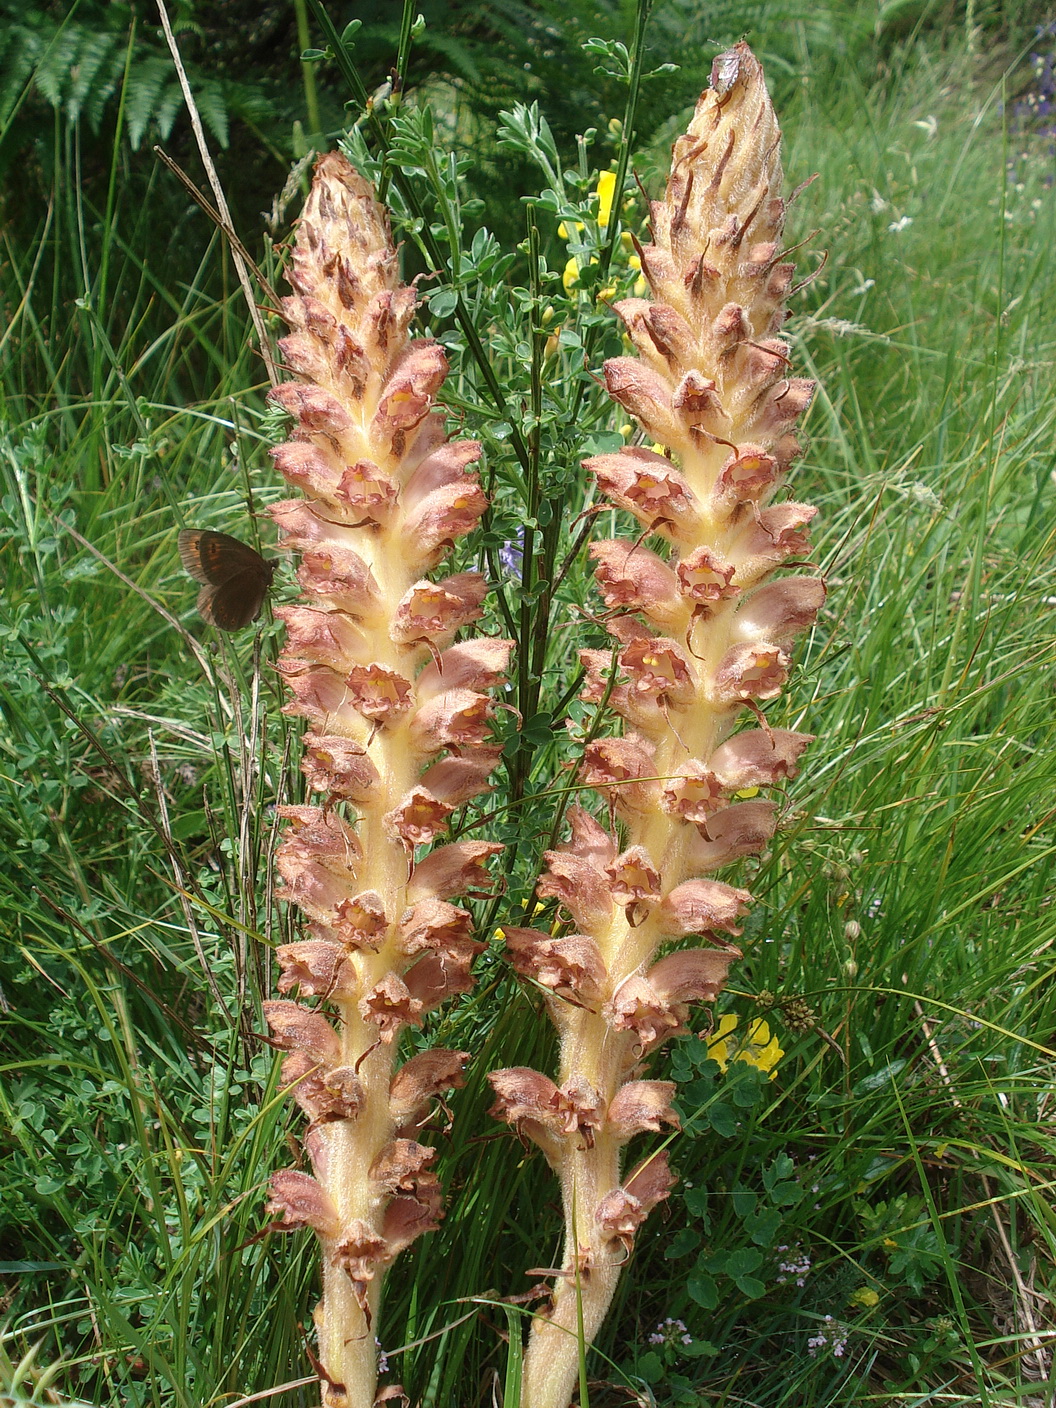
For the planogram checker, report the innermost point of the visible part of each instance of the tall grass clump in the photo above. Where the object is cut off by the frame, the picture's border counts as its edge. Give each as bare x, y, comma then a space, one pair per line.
864, 1148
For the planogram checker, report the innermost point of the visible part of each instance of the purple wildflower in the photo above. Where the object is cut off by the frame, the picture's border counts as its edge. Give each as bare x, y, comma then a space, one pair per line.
511, 554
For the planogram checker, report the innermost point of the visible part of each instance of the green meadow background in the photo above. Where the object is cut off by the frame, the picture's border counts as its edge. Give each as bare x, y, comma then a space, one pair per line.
865, 1210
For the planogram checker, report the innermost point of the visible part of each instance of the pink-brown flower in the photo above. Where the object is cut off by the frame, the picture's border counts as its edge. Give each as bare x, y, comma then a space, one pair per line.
400, 730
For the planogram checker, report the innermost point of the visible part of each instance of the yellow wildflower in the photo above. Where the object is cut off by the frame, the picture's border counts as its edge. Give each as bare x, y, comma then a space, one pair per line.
571, 275
865, 1295
756, 1048
606, 191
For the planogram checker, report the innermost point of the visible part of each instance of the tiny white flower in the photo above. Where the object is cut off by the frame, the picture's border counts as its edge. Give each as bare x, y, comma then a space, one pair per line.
897, 226
924, 495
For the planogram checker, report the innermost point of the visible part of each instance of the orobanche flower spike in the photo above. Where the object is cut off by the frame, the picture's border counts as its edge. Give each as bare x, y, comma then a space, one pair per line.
398, 723
701, 636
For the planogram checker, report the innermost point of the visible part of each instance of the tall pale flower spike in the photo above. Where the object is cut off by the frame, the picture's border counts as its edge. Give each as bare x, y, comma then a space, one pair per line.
701, 639
370, 662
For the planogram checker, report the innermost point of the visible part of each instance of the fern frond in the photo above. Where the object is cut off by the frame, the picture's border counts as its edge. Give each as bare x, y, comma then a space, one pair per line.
22, 51
54, 64
77, 68
145, 94
169, 104
93, 76
210, 98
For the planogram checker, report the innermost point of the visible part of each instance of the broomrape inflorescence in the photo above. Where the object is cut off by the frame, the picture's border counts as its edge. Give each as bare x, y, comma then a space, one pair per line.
701, 635
369, 660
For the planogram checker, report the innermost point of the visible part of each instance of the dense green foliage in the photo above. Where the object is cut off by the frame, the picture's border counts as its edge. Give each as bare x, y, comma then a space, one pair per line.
900, 943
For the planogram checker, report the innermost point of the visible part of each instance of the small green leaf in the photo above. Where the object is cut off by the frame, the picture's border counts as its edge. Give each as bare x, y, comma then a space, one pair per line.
744, 1202
765, 1227
721, 1119
685, 1240
696, 1201
650, 1367
878, 1079
699, 1349
704, 1291
786, 1195
539, 729
746, 1089
604, 443
443, 303
781, 1168
750, 1286
742, 1261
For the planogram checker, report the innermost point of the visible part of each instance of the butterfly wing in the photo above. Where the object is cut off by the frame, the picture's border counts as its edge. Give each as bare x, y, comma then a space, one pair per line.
236, 602
215, 557
235, 578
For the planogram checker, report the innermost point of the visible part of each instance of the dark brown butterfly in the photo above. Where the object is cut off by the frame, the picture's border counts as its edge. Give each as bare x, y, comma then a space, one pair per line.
235, 578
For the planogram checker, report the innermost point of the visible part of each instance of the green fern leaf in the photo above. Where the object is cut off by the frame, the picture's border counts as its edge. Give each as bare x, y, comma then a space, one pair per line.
213, 109
169, 105
53, 69
147, 80
91, 77
21, 56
